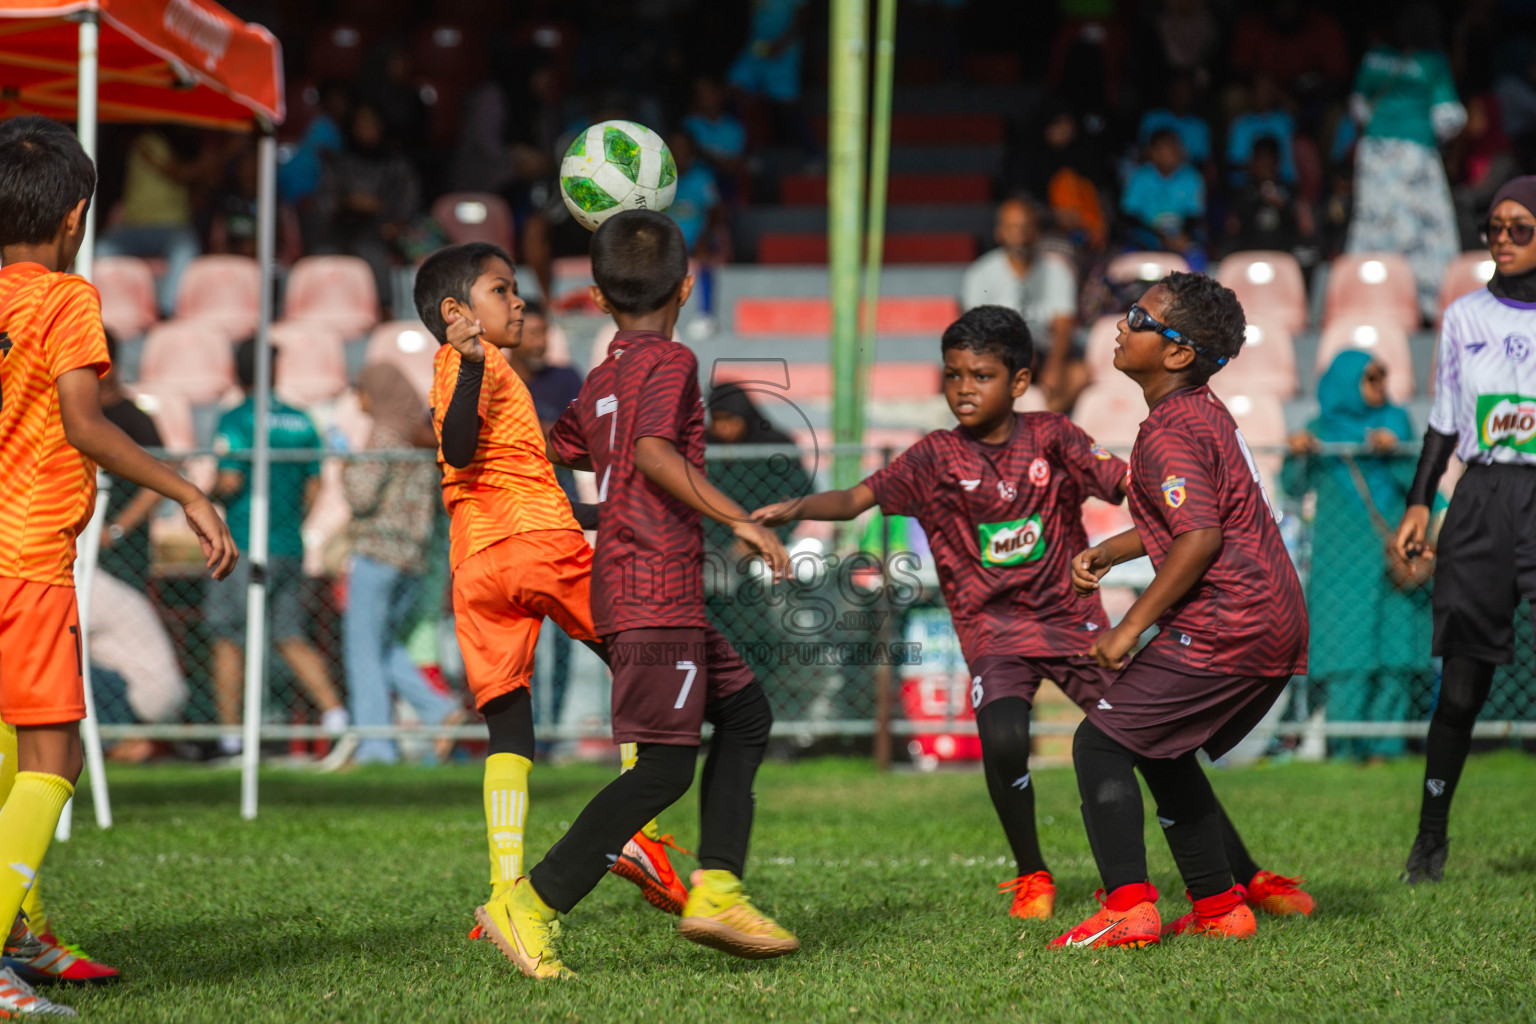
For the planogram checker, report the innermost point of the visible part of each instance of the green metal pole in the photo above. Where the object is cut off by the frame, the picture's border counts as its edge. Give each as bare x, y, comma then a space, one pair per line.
879, 173
845, 188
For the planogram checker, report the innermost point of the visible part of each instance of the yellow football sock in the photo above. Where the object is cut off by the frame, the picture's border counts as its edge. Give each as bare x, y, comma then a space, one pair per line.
629, 753
506, 811
7, 760
37, 915
27, 821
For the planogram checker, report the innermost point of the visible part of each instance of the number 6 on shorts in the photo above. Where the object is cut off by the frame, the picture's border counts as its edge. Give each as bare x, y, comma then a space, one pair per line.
690, 670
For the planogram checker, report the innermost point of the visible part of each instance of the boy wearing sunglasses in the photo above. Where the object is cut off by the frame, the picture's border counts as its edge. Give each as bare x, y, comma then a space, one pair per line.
1233, 624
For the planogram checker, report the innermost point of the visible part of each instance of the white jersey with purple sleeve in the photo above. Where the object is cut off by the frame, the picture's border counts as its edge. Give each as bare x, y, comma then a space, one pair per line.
1485, 381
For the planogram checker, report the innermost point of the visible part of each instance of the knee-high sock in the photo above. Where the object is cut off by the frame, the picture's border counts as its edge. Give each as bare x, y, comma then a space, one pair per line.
33, 904
1112, 811
1464, 686
1003, 726
1244, 867
1191, 820
628, 753
742, 723
27, 821
506, 816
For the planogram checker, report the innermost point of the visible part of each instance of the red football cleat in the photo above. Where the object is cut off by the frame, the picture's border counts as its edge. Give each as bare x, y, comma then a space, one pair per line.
1223, 916
1034, 895
644, 862
1128, 918
57, 962
1276, 894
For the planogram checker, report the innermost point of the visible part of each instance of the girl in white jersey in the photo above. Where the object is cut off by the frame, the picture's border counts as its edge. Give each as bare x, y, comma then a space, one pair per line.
1485, 412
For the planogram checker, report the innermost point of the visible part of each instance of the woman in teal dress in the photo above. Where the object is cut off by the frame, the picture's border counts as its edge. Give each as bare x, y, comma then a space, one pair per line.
1368, 638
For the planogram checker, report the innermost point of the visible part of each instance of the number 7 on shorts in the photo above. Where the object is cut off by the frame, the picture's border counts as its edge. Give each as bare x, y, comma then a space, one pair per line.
689, 670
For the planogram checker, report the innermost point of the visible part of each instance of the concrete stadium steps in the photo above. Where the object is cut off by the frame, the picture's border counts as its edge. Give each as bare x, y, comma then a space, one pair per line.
753, 222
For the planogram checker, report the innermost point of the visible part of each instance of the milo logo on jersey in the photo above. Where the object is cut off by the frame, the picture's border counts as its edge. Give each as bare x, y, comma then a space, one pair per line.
1506, 421
1012, 543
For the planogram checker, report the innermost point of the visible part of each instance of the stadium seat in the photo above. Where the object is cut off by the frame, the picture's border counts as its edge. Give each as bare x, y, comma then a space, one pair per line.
127, 288
475, 217
1099, 352
1266, 366
1377, 286
171, 413
192, 358
1385, 341
902, 189
1261, 418
813, 381
1467, 273
951, 129
448, 51
1032, 400
336, 292
337, 51
1110, 412
779, 248
1147, 267
908, 314
313, 367
1270, 287
222, 289
409, 345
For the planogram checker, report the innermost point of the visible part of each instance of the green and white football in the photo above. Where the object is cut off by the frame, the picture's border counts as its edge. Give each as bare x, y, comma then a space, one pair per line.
613, 166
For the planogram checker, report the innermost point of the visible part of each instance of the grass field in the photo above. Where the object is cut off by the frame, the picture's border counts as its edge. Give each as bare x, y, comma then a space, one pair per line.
349, 900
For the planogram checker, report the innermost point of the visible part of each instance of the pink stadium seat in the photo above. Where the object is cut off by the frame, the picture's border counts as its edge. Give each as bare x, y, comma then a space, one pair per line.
1384, 340
127, 288
1147, 267
194, 359
313, 363
1032, 400
1467, 273
1099, 352
336, 292
1261, 418
808, 315
1110, 412
222, 289
475, 217
1266, 366
1270, 287
409, 345
1372, 285
813, 381
171, 413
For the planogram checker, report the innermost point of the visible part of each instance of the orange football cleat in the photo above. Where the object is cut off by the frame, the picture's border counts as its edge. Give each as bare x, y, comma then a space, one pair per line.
644, 862
1224, 916
1276, 894
1034, 895
1128, 918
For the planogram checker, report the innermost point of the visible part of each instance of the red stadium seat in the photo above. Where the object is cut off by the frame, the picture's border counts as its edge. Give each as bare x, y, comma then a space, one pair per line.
1147, 267
1261, 418
1270, 287
811, 315
1467, 273
335, 292
447, 51
313, 366
222, 289
1377, 286
940, 129
777, 248
127, 288
1386, 341
1266, 365
902, 189
475, 217
813, 381
192, 358
1099, 352
409, 345
337, 51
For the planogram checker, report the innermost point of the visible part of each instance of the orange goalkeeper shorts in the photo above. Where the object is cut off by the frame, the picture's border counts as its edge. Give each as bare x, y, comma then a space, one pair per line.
501, 596
39, 654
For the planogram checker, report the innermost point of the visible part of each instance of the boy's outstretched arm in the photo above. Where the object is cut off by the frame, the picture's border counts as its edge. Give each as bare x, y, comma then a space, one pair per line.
659, 461
1191, 554
834, 506
91, 433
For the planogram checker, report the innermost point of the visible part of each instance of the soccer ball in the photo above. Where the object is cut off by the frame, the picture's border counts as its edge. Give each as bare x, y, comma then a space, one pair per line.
613, 166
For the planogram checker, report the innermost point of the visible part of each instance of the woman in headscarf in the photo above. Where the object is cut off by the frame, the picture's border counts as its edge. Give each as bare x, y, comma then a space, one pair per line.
1366, 657
1485, 413
394, 508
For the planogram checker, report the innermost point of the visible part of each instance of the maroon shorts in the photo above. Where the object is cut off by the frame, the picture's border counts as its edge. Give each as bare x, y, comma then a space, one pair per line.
663, 679
1009, 675
1161, 710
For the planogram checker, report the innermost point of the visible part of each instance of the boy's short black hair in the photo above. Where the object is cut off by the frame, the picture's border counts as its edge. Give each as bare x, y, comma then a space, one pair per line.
43, 174
994, 331
639, 261
1209, 316
451, 273
245, 363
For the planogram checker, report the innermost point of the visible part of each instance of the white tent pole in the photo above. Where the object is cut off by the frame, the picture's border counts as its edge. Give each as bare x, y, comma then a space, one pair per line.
261, 475
85, 565
85, 126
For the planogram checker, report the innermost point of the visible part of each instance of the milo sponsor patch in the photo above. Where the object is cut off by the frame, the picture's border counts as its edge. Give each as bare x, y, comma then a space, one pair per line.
1506, 421
1012, 543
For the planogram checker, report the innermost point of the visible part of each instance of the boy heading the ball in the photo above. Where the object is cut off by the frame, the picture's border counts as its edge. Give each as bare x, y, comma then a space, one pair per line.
517, 552
1229, 606
638, 424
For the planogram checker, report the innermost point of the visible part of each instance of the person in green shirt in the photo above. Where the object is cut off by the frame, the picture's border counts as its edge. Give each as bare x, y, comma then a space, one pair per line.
294, 485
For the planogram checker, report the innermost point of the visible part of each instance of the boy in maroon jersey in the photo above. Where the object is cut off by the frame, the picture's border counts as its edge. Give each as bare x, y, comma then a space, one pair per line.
638, 424
1233, 625
1000, 499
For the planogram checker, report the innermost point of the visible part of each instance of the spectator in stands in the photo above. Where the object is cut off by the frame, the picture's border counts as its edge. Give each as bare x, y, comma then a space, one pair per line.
721, 136
300, 165
1293, 42
1179, 115
155, 221
1265, 213
293, 486
388, 85
1406, 103
1265, 118
1164, 202
368, 194
1189, 36
696, 206
769, 65
393, 509
234, 208
1056, 161
1041, 287
1367, 649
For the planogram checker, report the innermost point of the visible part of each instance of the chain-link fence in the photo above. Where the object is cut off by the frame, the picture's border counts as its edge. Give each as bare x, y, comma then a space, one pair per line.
856, 647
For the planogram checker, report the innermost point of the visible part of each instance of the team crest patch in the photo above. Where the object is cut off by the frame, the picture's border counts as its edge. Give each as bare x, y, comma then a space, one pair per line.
1173, 491
1007, 490
1040, 472
1100, 452
1517, 347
